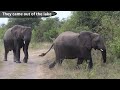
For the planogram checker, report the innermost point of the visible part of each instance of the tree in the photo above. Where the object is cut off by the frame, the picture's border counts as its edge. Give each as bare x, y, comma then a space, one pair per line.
47, 29
23, 21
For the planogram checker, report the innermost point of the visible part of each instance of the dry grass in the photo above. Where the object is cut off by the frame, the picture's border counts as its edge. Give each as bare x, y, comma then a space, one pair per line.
42, 45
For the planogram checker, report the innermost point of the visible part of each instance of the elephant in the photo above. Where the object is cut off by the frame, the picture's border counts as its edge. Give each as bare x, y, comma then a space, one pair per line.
15, 38
71, 45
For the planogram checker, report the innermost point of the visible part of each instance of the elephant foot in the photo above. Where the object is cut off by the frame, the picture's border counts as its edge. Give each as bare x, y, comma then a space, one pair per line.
25, 61
18, 61
90, 67
52, 65
5, 60
77, 67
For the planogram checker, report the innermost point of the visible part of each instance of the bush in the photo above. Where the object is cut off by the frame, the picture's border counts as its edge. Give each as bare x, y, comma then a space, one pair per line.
2, 31
46, 30
48, 36
115, 47
37, 36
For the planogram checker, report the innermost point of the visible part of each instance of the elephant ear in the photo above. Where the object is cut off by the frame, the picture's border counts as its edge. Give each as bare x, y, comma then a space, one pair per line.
95, 39
17, 31
85, 40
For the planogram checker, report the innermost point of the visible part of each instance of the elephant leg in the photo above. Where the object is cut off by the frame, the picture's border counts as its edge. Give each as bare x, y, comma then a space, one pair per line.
55, 62
58, 59
90, 63
18, 54
17, 50
25, 50
5, 56
60, 62
79, 61
14, 52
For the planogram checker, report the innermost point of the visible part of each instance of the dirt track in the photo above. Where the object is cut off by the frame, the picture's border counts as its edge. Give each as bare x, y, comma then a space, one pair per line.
36, 68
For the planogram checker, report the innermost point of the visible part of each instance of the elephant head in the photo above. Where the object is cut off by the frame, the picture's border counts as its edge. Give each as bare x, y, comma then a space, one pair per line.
22, 32
98, 43
93, 40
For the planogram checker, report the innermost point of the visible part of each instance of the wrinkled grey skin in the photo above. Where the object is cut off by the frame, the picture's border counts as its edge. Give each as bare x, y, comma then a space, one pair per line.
70, 45
16, 38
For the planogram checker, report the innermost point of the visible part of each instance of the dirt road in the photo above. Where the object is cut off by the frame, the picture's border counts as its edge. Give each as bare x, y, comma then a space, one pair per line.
36, 68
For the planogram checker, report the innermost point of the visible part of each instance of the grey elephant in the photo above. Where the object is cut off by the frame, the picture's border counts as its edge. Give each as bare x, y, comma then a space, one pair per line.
70, 45
15, 38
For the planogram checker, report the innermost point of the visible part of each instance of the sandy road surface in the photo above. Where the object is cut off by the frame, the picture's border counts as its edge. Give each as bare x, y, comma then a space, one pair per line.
36, 68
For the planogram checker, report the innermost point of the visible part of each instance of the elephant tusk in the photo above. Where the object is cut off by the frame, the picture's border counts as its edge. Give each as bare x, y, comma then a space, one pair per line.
101, 50
24, 42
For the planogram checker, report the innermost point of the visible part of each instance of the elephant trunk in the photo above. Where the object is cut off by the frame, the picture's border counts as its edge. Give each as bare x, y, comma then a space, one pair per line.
103, 51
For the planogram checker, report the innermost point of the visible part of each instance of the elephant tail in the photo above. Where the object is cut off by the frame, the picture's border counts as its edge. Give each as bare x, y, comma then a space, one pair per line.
43, 54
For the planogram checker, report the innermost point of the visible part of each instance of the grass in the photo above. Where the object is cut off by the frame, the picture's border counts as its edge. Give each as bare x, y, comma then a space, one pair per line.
40, 45
1, 44
1, 48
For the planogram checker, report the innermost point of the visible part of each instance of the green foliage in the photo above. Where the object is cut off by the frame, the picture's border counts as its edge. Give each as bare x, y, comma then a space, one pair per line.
23, 21
2, 31
50, 34
46, 30
115, 47
37, 35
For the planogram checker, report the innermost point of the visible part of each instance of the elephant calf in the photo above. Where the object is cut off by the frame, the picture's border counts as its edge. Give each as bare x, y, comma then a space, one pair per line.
14, 39
70, 45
